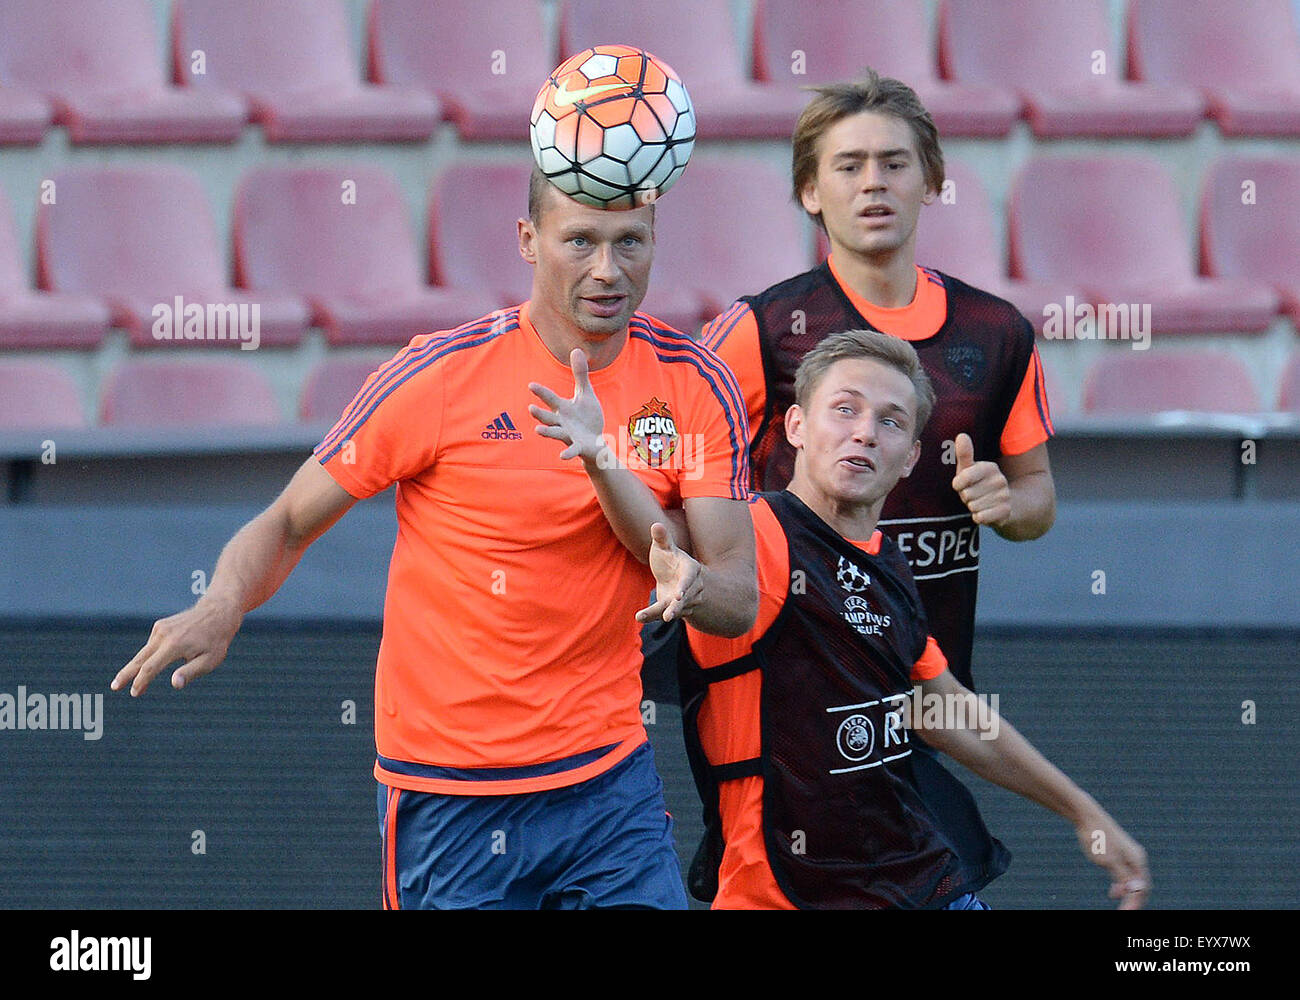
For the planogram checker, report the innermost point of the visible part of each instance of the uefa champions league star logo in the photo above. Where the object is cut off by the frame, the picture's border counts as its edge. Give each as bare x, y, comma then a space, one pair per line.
850, 577
856, 737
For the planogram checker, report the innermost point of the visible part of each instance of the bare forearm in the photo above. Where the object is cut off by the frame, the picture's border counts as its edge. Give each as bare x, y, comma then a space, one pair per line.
1033, 507
992, 748
1011, 761
251, 568
630, 506
675, 518
729, 602
264, 552
255, 562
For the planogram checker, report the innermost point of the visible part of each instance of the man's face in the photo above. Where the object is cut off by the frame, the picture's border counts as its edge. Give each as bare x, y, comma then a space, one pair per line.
870, 185
855, 437
591, 266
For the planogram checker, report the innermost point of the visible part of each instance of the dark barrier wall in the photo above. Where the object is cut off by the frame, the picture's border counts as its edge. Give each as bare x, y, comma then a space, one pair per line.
1198, 564
253, 788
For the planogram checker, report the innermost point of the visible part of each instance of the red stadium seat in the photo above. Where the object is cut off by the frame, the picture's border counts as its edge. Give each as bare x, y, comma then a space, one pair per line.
1250, 224
472, 232
1244, 54
139, 237
36, 395
1288, 395
293, 61
797, 44
187, 393
1044, 50
24, 116
41, 319
1129, 382
956, 234
341, 238
97, 60
332, 384
695, 38
442, 46
1113, 226
728, 228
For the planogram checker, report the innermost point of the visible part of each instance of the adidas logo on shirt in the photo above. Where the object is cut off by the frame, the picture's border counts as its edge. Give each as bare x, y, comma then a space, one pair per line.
502, 429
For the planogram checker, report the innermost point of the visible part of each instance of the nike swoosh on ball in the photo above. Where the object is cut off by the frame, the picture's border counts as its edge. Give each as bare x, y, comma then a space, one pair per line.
565, 97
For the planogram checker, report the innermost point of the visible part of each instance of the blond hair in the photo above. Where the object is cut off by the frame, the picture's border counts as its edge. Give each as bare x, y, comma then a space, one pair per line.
852, 344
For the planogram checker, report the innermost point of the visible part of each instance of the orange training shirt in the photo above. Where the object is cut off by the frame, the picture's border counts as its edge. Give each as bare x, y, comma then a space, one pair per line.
510, 642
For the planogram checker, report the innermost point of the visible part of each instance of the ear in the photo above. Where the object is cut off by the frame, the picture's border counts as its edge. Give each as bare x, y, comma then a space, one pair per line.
812, 204
912, 460
929, 197
794, 425
527, 240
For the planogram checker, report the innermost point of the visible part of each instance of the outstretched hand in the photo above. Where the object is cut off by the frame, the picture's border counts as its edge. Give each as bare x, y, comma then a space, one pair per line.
679, 578
1106, 845
578, 422
982, 486
200, 636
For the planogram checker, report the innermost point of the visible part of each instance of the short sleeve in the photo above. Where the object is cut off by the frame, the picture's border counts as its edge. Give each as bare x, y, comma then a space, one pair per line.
733, 336
719, 463
389, 432
932, 662
1030, 422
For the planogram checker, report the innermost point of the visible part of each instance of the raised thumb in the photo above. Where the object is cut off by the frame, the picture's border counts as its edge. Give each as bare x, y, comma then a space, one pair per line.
964, 451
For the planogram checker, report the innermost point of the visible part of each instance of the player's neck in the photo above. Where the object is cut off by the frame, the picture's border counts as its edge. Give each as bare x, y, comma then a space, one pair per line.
559, 336
885, 280
854, 521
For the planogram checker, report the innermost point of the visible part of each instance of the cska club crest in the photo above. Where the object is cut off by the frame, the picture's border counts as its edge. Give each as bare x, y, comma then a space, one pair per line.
653, 433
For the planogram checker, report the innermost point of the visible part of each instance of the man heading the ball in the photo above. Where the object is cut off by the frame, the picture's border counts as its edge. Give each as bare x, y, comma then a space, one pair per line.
513, 765
799, 730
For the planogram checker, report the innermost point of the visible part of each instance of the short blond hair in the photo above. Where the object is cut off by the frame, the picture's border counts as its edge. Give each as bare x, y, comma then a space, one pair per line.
851, 344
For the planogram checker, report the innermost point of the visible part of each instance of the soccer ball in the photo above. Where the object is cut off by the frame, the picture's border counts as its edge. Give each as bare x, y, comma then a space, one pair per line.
613, 127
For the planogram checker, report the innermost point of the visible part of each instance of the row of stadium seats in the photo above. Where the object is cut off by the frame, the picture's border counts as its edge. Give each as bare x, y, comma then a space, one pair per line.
288, 65
331, 247
188, 393
1109, 229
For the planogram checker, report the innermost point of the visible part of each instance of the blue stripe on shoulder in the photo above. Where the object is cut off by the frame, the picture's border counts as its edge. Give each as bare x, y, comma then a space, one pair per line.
723, 325
403, 368
398, 364
674, 339
1040, 393
674, 347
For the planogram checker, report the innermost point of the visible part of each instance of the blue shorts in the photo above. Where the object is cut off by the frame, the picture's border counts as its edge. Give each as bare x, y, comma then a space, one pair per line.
969, 901
605, 842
